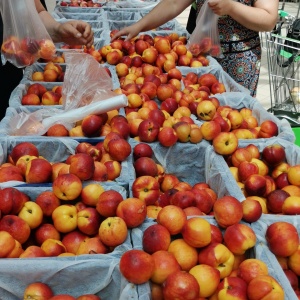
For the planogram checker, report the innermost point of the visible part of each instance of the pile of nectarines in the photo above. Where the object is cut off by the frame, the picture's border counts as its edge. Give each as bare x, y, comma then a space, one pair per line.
265, 176
53, 72
100, 162
164, 52
80, 3
37, 94
69, 219
285, 247
188, 258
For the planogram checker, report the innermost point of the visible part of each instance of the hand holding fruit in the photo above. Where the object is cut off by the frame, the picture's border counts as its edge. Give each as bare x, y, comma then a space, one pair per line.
74, 32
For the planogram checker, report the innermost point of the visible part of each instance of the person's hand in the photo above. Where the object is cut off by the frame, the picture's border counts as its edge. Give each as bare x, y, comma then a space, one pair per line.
130, 32
220, 7
76, 33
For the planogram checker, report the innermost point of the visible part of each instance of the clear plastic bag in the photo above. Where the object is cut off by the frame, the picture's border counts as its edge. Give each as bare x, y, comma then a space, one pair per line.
25, 38
87, 89
205, 39
85, 81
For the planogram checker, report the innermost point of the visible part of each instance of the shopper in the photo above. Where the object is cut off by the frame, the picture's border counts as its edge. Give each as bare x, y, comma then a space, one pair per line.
71, 32
239, 25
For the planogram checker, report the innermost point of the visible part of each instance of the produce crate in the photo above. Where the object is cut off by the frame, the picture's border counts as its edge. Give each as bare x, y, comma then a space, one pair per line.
238, 100
263, 252
38, 67
79, 14
99, 24
292, 152
119, 24
145, 6
258, 251
222, 76
75, 275
21, 90
71, 9
54, 150
99, 33
121, 15
97, 274
195, 163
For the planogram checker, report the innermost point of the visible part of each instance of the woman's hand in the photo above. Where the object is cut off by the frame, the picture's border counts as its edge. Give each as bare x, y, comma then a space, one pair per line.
220, 7
75, 33
130, 32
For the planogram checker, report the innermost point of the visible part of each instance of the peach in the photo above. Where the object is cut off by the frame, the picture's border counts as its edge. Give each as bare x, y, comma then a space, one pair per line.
282, 244
186, 255
180, 285
164, 264
30, 99
227, 211
136, 266
155, 238
38, 76
50, 75
50, 98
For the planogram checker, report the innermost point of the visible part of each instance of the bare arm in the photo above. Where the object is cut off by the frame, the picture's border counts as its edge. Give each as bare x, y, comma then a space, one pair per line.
71, 32
261, 17
163, 12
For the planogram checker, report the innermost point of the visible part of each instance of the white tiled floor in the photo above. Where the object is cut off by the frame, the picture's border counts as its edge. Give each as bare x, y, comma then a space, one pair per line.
263, 92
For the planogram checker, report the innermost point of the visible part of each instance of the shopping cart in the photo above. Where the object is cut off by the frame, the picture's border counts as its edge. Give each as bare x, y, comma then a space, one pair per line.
283, 56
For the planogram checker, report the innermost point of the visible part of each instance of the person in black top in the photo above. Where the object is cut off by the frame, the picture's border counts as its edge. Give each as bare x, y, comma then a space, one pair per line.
191, 21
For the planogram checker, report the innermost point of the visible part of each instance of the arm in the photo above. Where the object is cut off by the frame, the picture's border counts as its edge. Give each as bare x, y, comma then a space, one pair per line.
261, 17
71, 32
163, 12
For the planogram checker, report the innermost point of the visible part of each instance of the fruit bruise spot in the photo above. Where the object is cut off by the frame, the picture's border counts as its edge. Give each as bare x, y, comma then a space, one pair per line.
141, 210
205, 114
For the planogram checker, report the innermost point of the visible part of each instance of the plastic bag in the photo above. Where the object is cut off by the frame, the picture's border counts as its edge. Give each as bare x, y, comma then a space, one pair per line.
205, 39
25, 38
87, 89
85, 81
